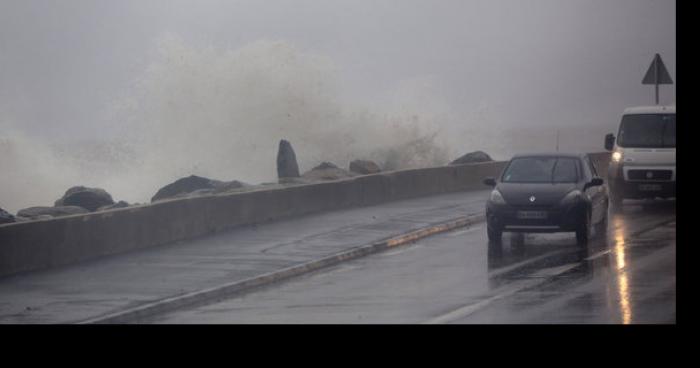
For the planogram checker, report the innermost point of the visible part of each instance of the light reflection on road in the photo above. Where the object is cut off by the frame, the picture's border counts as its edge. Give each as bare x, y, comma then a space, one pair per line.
621, 272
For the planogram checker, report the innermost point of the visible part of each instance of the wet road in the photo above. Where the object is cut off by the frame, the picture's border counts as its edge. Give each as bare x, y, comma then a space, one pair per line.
627, 275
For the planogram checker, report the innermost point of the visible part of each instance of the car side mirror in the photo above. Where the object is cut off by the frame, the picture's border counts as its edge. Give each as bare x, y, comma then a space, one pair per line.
594, 183
490, 182
609, 142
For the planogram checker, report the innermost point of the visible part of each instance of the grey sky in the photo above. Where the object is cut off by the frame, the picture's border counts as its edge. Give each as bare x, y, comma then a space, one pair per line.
536, 61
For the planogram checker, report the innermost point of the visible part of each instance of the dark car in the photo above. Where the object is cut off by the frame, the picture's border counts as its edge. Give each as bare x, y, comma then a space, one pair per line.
549, 192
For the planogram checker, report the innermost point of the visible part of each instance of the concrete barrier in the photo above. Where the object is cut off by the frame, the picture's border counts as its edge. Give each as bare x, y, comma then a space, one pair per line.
41, 244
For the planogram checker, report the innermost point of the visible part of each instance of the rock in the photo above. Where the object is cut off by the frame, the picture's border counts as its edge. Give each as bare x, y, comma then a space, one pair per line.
287, 166
364, 167
325, 165
183, 185
472, 157
6, 217
120, 204
89, 198
196, 185
230, 186
39, 213
326, 171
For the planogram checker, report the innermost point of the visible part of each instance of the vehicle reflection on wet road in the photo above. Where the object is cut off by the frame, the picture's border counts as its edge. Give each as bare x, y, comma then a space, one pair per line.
625, 276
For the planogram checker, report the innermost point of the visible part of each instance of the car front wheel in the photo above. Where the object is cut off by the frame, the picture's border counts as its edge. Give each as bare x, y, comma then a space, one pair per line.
495, 235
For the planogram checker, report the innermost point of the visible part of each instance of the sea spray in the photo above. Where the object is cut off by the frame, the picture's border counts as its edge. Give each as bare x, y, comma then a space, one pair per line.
220, 114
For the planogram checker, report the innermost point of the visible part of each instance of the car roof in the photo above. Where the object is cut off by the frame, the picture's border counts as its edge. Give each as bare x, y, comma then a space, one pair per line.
551, 154
657, 109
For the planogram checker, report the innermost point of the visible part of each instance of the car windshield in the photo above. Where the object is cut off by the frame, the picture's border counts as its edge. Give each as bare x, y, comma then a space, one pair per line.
647, 130
541, 170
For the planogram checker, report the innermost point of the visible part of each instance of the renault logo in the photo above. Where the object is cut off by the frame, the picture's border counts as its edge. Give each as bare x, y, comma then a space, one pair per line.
532, 198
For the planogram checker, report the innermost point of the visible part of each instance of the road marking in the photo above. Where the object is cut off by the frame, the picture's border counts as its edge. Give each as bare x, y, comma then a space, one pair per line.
526, 262
597, 255
466, 310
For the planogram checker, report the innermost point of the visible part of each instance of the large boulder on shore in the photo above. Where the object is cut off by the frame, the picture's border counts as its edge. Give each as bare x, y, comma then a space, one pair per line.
472, 157
287, 166
326, 171
6, 217
120, 204
183, 185
37, 213
89, 198
364, 167
196, 185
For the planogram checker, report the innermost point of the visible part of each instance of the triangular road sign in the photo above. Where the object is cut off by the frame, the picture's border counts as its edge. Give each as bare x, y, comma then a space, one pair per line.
657, 73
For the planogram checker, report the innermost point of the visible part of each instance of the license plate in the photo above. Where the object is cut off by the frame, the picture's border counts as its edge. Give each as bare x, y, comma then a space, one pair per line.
532, 214
650, 187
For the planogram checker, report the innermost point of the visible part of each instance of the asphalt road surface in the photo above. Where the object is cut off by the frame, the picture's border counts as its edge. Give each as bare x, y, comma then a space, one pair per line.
626, 275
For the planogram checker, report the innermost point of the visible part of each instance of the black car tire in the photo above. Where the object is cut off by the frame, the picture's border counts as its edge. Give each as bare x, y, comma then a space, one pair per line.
603, 224
495, 235
584, 229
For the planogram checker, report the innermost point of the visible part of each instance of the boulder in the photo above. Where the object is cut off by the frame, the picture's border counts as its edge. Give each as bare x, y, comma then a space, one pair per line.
325, 165
230, 186
89, 198
364, 167
120, 204
472, 157
38, 213
326, 171
6, 217
196, 185
287, 166
183, 185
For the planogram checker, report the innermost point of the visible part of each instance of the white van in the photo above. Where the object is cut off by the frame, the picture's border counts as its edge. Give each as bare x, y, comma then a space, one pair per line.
643, 161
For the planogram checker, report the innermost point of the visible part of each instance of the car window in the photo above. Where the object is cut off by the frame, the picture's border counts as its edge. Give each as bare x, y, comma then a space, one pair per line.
594, 170
541, 170
565, 171
588, 169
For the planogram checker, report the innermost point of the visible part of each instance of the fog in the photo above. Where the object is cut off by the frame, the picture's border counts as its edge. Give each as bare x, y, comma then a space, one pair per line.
131, 95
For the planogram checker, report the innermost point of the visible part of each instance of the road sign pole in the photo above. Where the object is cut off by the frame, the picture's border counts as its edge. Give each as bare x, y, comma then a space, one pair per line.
656, 78
657, 93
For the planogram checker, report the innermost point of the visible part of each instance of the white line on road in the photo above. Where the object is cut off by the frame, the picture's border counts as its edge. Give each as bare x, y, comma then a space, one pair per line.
508, 291
526, 262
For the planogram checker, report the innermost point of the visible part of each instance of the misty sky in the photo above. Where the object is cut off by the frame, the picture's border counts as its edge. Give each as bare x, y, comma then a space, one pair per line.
527, 62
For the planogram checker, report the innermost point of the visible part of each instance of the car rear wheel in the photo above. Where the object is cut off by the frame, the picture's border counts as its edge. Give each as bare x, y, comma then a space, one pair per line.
602, 226
584, 230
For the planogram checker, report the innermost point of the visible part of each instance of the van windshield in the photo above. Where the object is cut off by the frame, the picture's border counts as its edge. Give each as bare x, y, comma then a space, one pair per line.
647, 130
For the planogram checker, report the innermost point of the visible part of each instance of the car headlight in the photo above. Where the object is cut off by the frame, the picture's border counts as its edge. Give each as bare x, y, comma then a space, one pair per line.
572, 197
617, 156
496, 197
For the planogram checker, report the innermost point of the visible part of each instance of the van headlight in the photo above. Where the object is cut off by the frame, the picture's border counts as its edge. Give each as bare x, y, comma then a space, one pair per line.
617, 156
496, 197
